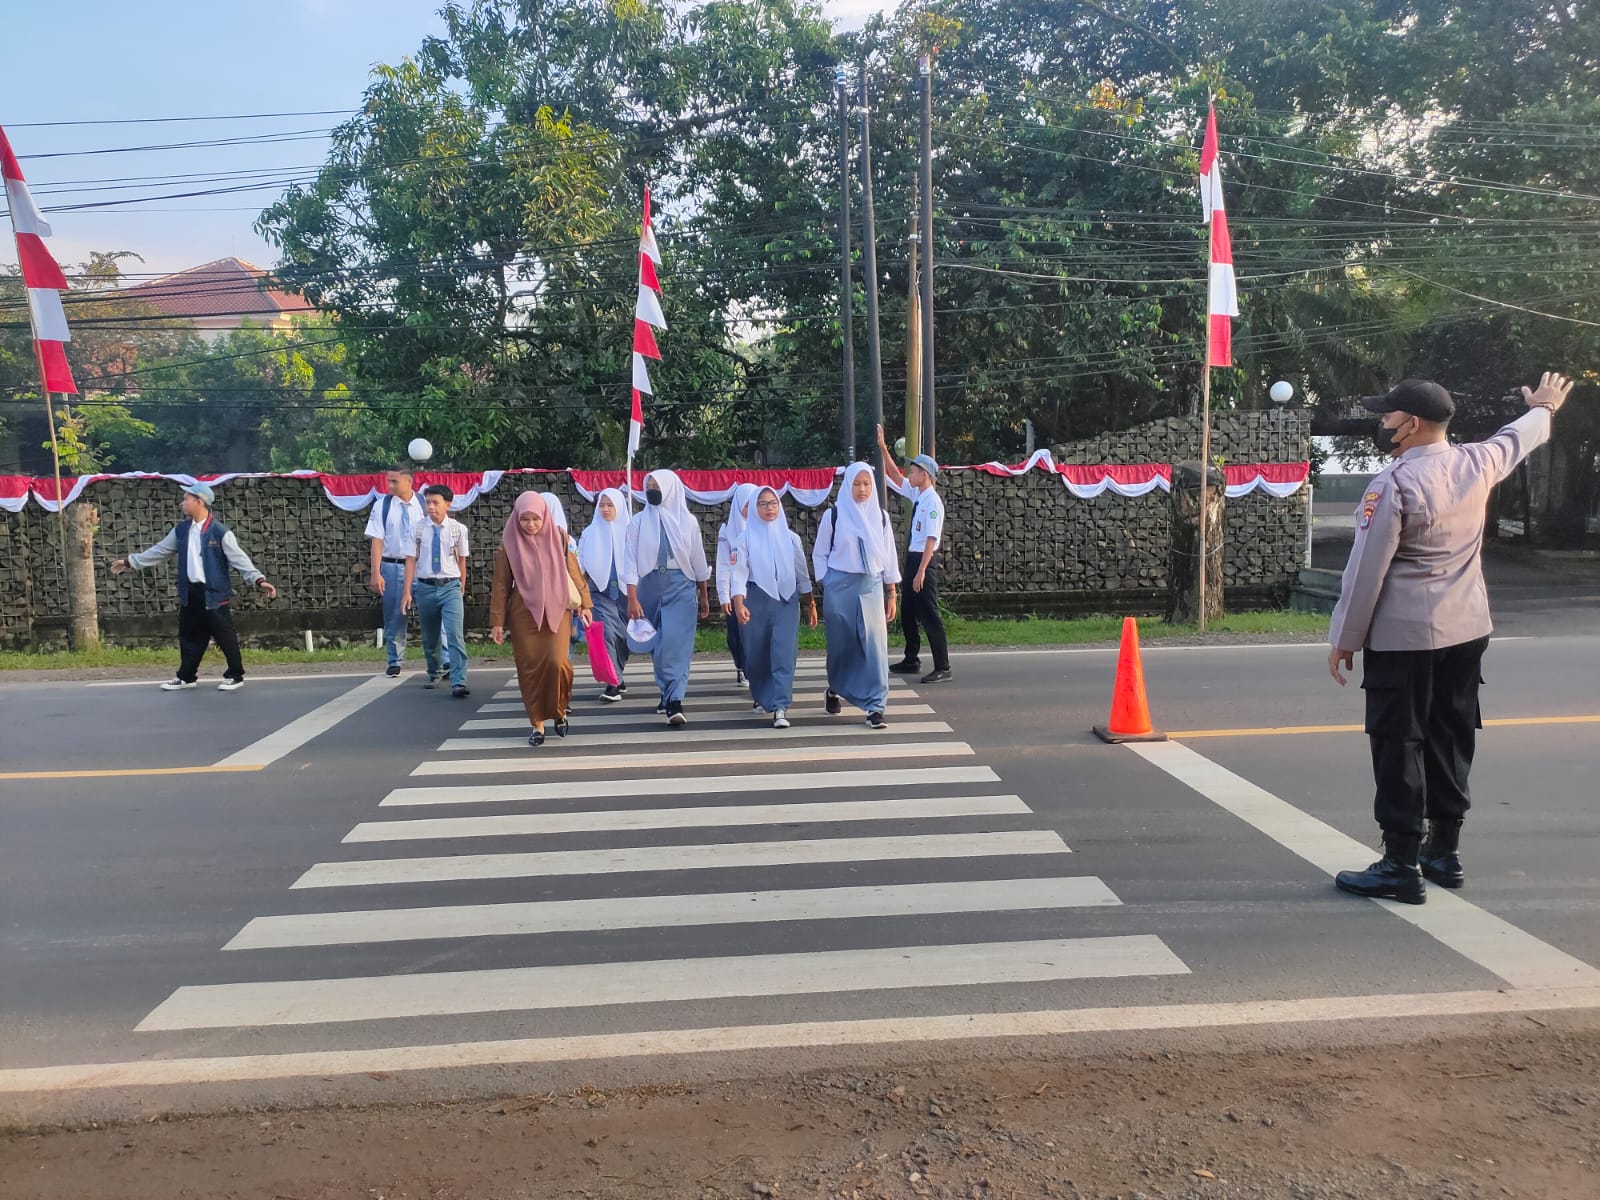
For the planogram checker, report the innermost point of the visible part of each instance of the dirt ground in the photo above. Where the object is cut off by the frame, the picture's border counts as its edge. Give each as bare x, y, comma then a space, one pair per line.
1466, 1118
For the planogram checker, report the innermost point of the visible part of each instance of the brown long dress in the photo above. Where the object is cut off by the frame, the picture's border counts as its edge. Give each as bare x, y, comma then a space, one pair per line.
544, 662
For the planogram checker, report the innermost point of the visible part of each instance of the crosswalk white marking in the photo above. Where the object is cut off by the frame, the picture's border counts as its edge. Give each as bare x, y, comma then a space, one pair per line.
649, 912
535, 763
591, 821
679, 858
710, 733
606, 719
692, 785
313, 1001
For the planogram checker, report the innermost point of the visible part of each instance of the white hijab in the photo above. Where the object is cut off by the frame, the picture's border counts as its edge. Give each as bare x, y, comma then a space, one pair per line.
558, 514
860, 520
673, 518
769, 551
739, 514
600, 547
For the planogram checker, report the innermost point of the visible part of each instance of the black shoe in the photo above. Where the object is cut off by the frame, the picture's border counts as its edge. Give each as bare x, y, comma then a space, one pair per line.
432, 682
612, 694
1438, 856
393, 671
906, 666
937, 675
661, 707
536, 738
562, 725
623, 688
460, 691
876, 721
675, 716
830, 701
738, 677
1395, 876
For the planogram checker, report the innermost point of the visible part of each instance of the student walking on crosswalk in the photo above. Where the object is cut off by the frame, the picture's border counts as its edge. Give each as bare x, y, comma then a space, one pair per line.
769, 577
600, 556
728, 535
537, 579
665, 571
854, 561
435, 584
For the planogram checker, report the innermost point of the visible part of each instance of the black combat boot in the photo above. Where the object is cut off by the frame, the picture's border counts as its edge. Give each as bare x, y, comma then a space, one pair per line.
1440, 862
1395, 876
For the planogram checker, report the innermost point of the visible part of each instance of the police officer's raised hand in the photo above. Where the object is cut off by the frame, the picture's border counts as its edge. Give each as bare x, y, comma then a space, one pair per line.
1551, 393
1340, 658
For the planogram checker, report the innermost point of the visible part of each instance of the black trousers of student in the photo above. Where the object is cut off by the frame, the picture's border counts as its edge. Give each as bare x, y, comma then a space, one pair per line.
919, 612
1423, 721
198, 627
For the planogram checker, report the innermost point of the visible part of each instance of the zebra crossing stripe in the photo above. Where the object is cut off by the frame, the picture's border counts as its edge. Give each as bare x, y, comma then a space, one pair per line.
581, 740
533, 763
607, 720
614, 860
387, 997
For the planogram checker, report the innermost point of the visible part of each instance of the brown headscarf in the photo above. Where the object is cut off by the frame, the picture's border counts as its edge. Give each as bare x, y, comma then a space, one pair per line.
538, 562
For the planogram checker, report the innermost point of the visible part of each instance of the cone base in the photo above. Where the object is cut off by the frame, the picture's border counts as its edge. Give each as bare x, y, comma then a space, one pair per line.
1110, 735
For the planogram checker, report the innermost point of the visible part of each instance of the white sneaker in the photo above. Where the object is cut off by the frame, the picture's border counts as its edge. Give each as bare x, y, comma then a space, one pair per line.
780, 719
230, 685
177, 685
756, 707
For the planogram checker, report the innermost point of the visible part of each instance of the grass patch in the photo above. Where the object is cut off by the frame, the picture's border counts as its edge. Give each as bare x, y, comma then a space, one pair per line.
963, 631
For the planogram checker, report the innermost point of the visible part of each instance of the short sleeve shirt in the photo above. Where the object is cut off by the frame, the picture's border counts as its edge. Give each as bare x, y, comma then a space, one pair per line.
398, 532
452, 541
927, 517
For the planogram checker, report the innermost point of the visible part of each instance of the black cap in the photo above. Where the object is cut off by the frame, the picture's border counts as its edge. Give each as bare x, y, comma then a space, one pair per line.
1418, 397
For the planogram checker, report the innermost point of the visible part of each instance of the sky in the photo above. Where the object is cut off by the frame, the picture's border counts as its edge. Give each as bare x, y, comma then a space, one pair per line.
111, 60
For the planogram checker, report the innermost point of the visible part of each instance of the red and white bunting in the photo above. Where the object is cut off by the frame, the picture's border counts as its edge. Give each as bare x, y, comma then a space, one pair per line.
647, 318
41, 275
1222, 298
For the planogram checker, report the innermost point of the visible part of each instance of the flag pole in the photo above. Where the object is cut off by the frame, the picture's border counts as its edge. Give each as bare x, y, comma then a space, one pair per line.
1205, 429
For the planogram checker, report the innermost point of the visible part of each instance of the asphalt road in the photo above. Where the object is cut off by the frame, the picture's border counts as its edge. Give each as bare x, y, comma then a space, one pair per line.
985, 865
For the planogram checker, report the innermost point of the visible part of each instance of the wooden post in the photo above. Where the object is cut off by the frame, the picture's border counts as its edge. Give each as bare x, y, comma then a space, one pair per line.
1196, 546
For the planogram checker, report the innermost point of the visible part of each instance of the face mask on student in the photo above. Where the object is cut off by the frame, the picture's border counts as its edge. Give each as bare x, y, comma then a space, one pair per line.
652, 495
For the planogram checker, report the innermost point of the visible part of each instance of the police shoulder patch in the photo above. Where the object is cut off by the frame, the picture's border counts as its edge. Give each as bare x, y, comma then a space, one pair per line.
1371, 496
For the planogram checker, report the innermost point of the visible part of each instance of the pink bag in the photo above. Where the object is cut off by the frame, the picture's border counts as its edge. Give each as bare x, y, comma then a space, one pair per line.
600, 664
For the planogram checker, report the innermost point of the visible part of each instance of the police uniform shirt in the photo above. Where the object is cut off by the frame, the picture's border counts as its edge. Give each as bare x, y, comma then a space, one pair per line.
927, 516
398, 532
1415, 576
452, 541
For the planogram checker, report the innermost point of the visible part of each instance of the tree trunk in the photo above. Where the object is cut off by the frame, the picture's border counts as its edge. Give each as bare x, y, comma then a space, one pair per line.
83, 614
1183, 563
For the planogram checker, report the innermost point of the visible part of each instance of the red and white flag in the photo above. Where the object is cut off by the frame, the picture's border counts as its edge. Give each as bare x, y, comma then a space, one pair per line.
1222, 301
40, 275
647, 318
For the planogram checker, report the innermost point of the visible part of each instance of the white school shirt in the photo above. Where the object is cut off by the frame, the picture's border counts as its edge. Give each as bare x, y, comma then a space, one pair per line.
927, 516
399, 531
452, 541
846, 557
726, 557
739, 583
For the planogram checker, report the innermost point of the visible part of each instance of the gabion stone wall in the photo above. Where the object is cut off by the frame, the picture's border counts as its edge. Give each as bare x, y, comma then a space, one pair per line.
1022, 544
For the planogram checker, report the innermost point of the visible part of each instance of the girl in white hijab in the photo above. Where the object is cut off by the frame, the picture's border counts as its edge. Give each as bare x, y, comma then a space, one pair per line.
664, 567
855, 562
739, 515
600, 554
769, 577
558, 514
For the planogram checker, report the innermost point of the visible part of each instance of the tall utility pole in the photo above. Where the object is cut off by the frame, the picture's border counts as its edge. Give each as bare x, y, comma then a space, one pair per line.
925, 69
846, 321
869, 269
913, 336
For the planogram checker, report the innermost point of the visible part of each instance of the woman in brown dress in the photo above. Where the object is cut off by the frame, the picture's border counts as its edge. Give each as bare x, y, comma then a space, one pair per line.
535, 578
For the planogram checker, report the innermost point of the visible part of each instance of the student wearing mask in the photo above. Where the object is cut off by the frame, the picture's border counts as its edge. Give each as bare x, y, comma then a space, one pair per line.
665, 571
600, 554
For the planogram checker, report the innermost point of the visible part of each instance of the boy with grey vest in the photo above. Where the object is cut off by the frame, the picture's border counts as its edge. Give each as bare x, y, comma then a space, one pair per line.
205, 548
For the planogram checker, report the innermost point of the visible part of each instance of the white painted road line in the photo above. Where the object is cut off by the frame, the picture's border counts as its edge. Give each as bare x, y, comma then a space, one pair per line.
519, 989
679, 858
1516, 956
703, 733
313, 724
807, 812
651, 912
695, 785
533, 763
605, 719
732, 1039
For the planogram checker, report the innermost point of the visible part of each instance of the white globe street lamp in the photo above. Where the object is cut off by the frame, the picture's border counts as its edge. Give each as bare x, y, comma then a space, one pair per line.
420, 449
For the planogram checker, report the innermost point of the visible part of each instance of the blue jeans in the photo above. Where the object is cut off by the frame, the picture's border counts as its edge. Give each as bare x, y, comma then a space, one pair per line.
394, 621
439, 610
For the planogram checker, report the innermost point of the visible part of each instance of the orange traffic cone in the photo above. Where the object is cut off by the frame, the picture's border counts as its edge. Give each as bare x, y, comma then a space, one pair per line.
1130, 711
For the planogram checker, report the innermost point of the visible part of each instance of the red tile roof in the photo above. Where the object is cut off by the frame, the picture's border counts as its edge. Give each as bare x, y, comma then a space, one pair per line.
229, 287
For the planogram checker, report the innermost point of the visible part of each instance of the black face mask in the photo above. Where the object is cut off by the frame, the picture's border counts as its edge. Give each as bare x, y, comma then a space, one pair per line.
1386, 439
652, 495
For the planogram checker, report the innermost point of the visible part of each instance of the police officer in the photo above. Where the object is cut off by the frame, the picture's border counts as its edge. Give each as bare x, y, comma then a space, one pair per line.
1413, 602
920, 613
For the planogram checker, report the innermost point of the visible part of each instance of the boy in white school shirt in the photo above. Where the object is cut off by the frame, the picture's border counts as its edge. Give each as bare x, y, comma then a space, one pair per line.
435, 584
391, 530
